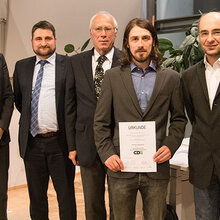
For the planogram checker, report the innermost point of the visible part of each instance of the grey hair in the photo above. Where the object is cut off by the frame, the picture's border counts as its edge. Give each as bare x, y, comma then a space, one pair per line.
103, 13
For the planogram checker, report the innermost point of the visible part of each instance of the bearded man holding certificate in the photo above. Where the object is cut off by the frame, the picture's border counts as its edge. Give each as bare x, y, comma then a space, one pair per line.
139, 91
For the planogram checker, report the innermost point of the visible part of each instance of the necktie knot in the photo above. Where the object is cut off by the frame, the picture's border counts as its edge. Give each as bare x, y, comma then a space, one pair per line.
101, 59
42, 62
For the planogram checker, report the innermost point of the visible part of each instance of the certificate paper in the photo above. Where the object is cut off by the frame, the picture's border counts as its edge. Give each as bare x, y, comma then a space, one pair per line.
137, 146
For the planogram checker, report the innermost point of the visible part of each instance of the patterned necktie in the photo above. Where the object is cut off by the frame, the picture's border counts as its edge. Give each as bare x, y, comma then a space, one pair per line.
99, 75
35, 99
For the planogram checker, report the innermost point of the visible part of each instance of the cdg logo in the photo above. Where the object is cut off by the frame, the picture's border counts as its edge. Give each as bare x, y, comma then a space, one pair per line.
137, 152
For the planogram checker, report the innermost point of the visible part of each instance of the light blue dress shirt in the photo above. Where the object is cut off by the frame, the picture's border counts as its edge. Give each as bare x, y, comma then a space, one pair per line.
144, 81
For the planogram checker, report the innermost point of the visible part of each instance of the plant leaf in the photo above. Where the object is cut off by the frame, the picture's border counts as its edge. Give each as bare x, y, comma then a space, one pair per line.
85, 45
188, 41
69, 48
165, 44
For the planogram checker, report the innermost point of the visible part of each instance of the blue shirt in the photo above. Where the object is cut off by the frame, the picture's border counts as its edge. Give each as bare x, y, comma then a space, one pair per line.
143, 83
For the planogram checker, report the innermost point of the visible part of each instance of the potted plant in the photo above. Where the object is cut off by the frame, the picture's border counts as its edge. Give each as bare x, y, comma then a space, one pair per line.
189, 52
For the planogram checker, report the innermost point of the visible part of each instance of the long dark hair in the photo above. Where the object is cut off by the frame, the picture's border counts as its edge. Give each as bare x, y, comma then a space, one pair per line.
155, 53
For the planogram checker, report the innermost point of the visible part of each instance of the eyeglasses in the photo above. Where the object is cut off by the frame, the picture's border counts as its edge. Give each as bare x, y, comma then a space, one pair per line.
106, 29
205, 34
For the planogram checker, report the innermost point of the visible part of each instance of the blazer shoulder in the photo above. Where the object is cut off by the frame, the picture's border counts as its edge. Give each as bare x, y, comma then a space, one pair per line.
117, 52
26, 60
82, 56
168, 72
191, 70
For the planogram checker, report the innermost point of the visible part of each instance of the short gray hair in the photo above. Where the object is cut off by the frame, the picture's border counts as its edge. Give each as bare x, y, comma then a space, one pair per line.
103, 13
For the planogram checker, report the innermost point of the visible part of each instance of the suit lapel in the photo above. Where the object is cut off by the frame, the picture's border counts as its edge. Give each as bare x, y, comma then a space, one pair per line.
128, 83
115, 58
87, 69
59, 69
29, 77
218, 91
200, 71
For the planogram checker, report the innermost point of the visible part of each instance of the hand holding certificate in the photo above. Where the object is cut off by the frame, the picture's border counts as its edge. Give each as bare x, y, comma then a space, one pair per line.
137, 146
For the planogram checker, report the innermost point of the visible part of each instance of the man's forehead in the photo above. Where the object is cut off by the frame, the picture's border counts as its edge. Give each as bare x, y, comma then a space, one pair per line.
103, 19
136, 31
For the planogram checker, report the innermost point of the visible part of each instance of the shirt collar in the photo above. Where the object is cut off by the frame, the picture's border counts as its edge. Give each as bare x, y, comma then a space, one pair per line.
109, 55
50, 59
207, 65
134, 67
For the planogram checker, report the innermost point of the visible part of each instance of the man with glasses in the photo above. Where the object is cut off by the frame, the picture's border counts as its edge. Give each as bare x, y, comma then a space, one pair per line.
88, 69
201, 92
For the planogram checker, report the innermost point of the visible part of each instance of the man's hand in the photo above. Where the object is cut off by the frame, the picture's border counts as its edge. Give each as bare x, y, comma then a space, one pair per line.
163, 154
72, 156
114, 163
1, 133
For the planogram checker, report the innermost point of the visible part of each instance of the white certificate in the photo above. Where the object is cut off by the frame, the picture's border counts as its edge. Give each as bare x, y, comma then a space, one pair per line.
137, 146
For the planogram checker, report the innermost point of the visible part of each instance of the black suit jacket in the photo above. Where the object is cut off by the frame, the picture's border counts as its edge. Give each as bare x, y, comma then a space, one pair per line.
6, 101
85, 105
204, 147
23, 75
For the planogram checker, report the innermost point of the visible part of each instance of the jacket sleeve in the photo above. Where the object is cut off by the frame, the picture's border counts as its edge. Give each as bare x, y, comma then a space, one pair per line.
7, 97
70, 105
178, 118
103, 122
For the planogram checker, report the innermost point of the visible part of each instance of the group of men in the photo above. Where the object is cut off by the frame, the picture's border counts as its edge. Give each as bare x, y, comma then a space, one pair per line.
70, 113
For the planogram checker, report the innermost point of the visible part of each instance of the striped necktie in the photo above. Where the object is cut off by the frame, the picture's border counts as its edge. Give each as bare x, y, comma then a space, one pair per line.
35, 100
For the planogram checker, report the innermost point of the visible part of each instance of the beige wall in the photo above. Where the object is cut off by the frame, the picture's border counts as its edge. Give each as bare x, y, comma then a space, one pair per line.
70, 18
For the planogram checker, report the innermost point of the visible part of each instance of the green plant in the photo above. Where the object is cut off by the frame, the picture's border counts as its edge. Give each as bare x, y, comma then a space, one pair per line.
70, 48
189, 52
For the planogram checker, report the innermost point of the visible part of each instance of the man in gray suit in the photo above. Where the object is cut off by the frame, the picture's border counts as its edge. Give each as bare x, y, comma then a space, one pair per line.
6, 108
88, 70
139, 90
201, 92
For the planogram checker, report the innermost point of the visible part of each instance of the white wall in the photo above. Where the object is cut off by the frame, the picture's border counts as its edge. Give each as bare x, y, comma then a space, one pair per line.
70, 18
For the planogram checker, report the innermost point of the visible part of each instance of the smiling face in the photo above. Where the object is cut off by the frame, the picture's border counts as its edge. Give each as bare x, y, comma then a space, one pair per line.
43, 43
140, 43
103, 33
209, 35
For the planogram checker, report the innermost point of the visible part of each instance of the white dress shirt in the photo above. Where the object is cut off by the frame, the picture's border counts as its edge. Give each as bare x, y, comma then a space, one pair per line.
106, 65
212, 74
47, 116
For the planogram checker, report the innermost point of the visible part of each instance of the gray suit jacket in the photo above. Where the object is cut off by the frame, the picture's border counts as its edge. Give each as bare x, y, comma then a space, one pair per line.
85, 105
118, 103
23, 75
6, 101
204, 148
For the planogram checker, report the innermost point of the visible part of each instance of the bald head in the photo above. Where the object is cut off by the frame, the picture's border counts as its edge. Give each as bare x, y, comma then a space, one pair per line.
209, 35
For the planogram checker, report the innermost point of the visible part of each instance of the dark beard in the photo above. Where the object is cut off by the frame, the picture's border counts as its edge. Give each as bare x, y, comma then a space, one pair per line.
48, 54
142, 59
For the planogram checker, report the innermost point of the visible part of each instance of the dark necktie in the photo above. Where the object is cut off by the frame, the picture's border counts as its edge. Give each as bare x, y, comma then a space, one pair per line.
99, 75
35, 100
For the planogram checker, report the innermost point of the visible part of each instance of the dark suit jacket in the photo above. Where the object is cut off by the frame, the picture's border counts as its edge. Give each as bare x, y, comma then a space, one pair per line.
85, 105
118, 103
6, 101
23, 75
204, 147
